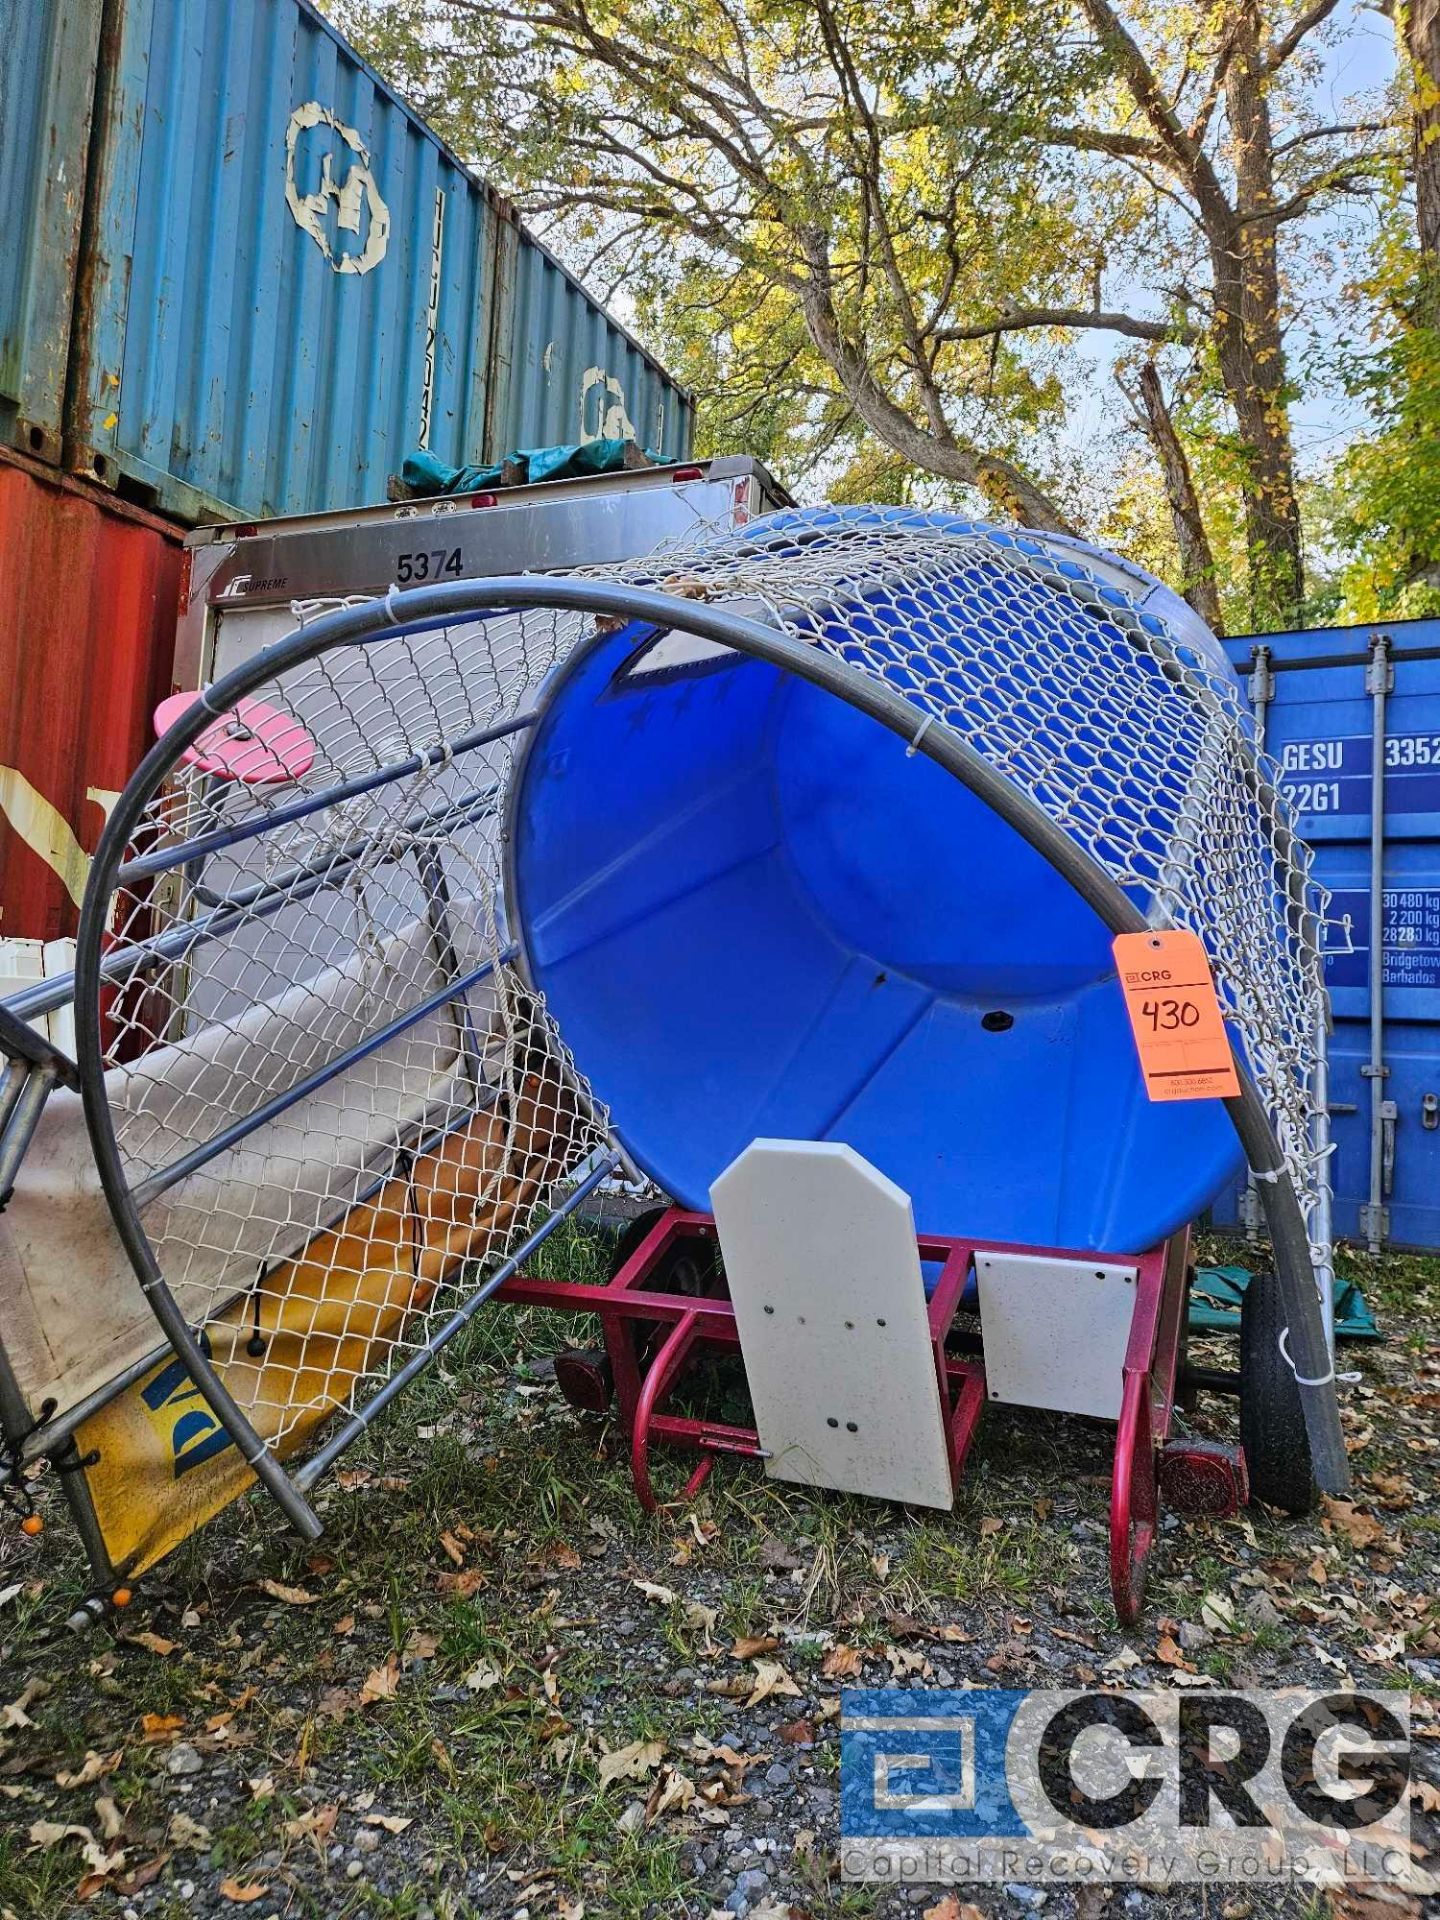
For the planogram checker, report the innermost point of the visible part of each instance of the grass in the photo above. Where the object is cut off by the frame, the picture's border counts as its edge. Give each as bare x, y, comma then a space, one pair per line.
505, 1780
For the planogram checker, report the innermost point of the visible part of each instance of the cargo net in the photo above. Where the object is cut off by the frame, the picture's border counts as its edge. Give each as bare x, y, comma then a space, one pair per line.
1105, 701
337, 1106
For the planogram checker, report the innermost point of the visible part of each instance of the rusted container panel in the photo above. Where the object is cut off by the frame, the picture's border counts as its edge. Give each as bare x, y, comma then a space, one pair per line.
89, 590
47, 85
565, 370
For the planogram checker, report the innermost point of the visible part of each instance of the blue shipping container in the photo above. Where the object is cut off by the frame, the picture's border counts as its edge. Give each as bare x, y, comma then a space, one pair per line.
566, 370
288, 282
1315, 697
47, 83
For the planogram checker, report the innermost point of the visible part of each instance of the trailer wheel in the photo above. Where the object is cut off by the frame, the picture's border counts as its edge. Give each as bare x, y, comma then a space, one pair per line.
690, 1267
1272, 1420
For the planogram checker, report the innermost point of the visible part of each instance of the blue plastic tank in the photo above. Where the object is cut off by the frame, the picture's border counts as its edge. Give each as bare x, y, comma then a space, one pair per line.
752, 913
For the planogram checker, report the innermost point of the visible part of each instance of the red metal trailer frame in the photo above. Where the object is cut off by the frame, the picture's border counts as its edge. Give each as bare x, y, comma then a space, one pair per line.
652, 1336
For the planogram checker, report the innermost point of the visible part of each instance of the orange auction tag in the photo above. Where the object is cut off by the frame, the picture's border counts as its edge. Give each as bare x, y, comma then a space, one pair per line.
1175, 1016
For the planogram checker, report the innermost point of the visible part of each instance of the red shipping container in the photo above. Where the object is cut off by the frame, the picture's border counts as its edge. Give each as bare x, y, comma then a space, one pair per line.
89, 592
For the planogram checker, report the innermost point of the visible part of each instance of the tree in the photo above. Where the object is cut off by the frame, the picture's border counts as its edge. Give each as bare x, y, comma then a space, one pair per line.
918, 211
1388, 484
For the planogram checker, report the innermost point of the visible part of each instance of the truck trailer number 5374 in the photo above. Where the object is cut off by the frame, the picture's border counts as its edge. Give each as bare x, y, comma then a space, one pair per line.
438, 564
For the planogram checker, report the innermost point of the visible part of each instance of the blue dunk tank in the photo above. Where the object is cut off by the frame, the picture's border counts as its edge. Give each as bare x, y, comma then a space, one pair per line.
756, 915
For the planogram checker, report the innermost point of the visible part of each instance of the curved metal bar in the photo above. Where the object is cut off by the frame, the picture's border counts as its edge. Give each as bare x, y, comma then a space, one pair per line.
426, 606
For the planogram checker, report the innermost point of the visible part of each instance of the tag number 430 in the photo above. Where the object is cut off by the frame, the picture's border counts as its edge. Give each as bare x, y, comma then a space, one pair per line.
1165, 1016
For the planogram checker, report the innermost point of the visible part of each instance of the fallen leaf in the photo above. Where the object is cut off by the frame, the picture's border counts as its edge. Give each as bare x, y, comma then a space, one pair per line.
748, 1645
1362, 1530
569, 1561
1180, 1679
15, 1715
461, 1585
91, 1769
671, 1790
904, 1661
949, 1908
242, 1892
1217, 1613
1119, 1662
49, 1833
112, 1822
421, 1646
344, 1625
153, 1643
187, 1833
157, 1726
262, 1787
632, 1762
777, 1557
661, 1596
796, 1733
453, 1548
391, 1822
990, 1526
482, 1676
770, 1678
842, 1662
381, 1683
1168, 1653
293, 1597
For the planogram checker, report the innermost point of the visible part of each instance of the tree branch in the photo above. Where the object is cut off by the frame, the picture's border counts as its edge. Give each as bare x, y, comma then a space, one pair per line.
1019, 319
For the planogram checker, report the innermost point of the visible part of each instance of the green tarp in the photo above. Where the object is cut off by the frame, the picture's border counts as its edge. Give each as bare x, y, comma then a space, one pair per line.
1216, 1295
424, 474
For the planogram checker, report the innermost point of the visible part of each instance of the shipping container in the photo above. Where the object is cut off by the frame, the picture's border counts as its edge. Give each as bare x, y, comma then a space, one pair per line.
288, 283
1352, 717
47, 87
89, 589
563, 369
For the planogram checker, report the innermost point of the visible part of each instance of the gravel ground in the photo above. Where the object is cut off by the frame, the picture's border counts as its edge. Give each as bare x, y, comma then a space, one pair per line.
497, 1688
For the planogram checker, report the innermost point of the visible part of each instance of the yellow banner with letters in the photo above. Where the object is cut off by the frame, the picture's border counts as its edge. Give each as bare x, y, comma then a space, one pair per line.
292, 1350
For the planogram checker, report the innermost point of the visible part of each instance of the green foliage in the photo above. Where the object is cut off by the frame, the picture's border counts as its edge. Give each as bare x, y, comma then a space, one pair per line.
1387, 512
881, 244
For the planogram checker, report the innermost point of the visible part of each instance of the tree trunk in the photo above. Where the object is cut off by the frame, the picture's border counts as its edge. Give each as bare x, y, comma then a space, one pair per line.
1422, 43
1197, 562
1251, 345
1002, 483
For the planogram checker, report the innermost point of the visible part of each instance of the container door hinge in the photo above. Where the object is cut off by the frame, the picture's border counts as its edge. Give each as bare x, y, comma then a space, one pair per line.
1380, 674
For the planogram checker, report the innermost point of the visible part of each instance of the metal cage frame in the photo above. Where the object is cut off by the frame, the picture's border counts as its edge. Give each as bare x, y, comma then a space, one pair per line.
416, 610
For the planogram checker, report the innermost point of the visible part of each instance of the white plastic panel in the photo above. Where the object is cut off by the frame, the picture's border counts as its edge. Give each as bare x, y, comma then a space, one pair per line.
830, 1306
1055, 1330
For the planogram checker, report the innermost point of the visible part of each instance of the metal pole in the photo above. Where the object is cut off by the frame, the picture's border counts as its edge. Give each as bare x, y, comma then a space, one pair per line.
1322, 1226
1262, 692
1379, 680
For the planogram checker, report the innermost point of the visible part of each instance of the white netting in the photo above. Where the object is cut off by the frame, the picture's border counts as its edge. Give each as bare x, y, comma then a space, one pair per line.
360, 1199
1108, 704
